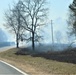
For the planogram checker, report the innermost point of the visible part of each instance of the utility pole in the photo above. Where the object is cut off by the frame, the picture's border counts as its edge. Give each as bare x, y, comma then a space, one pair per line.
52, 32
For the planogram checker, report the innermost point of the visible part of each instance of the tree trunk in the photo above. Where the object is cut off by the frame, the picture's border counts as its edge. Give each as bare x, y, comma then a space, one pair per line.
17, 41
33, 43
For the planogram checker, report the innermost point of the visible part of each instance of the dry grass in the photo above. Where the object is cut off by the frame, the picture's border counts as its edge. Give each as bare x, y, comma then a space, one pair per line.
37, 65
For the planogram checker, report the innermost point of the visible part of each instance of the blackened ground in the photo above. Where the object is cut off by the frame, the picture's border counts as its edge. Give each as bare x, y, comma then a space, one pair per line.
68, 55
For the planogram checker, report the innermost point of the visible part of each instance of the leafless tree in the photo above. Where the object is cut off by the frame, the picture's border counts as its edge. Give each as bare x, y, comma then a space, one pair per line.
58, 36
14, 21
35, 12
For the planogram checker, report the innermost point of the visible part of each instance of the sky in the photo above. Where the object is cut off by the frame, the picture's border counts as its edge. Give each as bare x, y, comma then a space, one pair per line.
59, 8
58, 12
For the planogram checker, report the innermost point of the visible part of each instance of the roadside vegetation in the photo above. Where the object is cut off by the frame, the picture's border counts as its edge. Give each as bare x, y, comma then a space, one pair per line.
34, 63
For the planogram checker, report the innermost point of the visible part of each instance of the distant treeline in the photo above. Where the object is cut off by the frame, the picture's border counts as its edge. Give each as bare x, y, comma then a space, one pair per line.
3, 44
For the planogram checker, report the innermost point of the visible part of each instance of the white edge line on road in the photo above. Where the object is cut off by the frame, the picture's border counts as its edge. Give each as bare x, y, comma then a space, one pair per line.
14, 67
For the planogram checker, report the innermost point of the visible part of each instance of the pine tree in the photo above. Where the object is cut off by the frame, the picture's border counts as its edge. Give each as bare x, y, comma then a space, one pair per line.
72, 18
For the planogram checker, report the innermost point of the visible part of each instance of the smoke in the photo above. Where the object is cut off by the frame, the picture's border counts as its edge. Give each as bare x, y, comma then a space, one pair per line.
3, 36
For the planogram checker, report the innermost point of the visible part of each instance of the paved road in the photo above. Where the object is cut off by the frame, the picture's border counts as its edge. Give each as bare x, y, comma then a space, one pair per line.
7, 69
6, 48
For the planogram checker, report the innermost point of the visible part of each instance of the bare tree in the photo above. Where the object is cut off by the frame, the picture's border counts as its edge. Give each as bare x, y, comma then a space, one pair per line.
14, 21
34, 16
58, 36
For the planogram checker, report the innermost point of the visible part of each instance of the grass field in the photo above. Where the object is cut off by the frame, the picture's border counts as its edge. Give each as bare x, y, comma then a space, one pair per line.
55, 63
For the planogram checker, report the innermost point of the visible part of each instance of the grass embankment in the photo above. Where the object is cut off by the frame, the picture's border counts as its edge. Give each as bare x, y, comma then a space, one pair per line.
55, 63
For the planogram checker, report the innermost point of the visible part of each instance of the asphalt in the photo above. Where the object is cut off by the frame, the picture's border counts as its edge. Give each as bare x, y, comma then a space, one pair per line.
7, 70
6, 48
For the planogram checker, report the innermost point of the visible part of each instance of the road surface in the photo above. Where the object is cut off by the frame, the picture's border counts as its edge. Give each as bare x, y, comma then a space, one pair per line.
7, 69
6, 48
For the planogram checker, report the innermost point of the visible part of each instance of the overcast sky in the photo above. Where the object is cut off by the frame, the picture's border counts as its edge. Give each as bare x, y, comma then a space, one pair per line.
58, 12
59, 8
